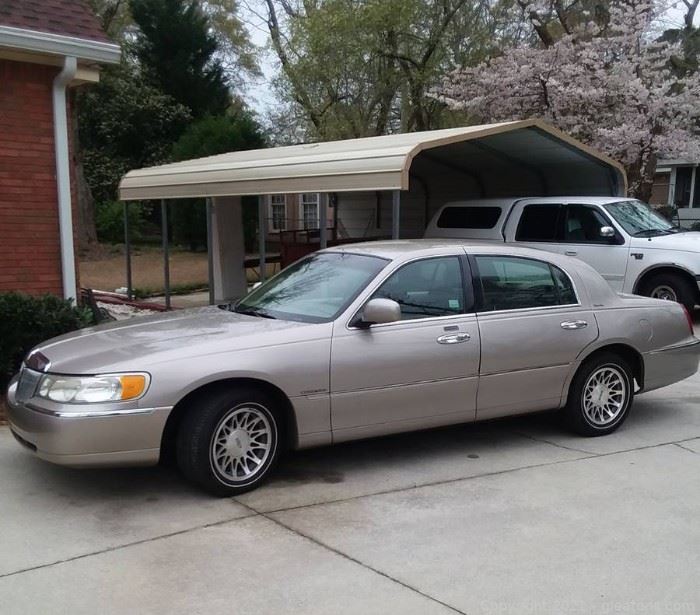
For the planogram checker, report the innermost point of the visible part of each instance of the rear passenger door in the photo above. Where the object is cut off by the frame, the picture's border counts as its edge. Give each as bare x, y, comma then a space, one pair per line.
532, 326
541, 226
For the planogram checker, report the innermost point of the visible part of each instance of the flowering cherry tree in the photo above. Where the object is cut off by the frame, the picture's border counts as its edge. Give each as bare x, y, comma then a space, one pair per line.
611, 85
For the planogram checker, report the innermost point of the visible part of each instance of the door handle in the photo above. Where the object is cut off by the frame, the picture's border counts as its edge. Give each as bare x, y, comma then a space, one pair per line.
453, 338
570, 325
571, 252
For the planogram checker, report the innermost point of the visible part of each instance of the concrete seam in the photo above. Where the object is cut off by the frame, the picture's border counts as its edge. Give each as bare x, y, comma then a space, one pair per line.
352, 559
125, 545
685, 448
339, 501
475, 476
568, 448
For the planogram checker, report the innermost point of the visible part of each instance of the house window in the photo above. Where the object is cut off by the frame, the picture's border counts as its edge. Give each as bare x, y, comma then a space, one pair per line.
278, 211
309, 210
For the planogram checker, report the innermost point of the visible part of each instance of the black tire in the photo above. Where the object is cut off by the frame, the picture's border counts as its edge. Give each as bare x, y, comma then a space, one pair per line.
201, 459
579, 415
669, 285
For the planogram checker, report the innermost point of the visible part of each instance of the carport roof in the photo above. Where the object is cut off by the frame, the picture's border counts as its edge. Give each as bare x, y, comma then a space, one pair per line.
372, 163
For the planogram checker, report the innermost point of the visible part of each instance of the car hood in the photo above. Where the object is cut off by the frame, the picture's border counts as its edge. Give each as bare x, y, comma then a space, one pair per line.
136, 343
684, 242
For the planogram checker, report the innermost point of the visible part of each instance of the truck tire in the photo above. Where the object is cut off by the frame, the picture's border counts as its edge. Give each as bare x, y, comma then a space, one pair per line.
670, 287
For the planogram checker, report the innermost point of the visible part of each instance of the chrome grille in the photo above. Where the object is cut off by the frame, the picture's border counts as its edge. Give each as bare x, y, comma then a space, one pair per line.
26, 387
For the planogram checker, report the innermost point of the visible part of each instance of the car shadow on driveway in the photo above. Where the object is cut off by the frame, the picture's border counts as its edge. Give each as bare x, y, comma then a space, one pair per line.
409, 459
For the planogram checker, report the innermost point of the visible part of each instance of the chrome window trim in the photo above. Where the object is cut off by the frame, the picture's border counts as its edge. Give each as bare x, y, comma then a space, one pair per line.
427, 319
531, 309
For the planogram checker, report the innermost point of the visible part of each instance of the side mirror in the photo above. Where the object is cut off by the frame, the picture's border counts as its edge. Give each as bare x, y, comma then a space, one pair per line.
607, 231
380, 311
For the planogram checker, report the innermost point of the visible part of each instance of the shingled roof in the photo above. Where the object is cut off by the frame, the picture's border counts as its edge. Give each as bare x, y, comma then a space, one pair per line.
67, 17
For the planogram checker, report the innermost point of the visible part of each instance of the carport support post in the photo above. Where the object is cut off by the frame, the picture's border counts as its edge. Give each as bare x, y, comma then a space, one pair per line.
228, 249
210, 254
127, 249
323, 222
262, 232
396, 214
166, 255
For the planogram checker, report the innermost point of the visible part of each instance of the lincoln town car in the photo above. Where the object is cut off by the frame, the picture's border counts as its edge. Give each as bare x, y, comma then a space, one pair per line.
350, 342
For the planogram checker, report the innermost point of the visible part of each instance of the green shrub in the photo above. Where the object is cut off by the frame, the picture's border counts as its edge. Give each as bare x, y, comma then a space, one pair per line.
109, 220
26, 321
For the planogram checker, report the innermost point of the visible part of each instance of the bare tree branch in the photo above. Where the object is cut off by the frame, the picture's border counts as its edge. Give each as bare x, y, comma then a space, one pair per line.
692, 7
300, 94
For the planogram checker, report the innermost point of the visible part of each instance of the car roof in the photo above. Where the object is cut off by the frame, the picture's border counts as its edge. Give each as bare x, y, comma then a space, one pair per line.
590, 200
400, 249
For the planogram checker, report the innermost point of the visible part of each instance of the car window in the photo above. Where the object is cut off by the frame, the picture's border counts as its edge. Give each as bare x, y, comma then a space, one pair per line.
583, 224
426, 288
315, 289
511, 283
540, 223
639, 219
469, 217
567, 294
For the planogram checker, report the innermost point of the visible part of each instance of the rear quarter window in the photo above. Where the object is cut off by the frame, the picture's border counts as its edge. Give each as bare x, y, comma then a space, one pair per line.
469, 217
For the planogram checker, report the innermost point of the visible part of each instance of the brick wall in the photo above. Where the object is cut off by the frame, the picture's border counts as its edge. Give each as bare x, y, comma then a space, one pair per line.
30, 259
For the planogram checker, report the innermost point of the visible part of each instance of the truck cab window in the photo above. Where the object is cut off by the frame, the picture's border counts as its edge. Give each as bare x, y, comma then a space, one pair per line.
540, 223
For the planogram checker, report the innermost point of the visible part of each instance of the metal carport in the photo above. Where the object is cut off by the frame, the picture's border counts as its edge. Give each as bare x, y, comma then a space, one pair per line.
421, 170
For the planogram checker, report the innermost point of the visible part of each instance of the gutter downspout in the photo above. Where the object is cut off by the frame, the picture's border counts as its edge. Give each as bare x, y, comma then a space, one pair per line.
65, 213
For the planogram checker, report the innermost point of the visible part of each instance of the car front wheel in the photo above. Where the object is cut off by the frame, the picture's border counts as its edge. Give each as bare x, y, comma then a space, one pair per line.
229, 441
670, 287
600, 395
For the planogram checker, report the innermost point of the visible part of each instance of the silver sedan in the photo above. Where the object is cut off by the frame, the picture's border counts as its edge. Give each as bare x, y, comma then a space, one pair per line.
350, 342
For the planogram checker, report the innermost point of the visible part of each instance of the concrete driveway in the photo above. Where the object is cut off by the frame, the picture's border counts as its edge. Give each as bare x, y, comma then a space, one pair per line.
514, 516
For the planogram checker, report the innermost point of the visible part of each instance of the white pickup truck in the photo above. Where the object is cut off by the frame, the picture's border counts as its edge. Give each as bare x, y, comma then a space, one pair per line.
634, 248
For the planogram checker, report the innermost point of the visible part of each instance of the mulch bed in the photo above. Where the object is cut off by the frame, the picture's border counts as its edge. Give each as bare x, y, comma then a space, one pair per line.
3, 420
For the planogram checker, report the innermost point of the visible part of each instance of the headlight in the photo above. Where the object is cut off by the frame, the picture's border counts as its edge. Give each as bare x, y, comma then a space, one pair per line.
92, 389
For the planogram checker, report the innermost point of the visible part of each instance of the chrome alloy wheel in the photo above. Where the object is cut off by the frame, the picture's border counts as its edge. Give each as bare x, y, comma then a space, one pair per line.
242, 443
665, 292
605, 395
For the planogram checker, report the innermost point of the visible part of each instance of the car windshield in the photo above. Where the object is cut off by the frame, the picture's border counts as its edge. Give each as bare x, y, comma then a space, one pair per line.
639, 219
315, 289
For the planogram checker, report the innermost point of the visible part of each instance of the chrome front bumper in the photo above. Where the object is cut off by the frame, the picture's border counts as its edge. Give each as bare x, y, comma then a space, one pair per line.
88, 435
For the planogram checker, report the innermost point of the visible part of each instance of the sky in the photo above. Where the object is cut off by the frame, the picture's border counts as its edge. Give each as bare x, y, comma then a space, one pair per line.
260, 95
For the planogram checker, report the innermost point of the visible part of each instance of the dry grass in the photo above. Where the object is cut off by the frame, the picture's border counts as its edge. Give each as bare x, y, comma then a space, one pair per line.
108, 271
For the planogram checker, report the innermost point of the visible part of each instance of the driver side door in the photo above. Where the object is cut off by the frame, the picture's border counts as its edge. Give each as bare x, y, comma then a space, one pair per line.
417, 372
582, 239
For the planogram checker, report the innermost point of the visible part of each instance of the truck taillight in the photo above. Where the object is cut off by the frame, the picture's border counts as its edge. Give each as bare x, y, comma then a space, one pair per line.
689, 318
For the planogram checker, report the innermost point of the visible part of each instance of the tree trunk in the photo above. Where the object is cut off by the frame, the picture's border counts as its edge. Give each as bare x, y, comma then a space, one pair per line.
87, 232
640, 176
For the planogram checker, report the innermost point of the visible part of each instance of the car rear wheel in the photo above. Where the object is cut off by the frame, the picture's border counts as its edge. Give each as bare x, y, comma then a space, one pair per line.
670, 287
600, 396
229, 441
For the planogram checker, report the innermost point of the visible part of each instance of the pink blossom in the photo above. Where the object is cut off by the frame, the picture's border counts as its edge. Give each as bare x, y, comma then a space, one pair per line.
612, 88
